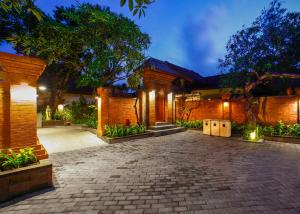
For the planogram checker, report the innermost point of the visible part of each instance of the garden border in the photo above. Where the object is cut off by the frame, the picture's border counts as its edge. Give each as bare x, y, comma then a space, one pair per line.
24, 180
125, 138
283, 139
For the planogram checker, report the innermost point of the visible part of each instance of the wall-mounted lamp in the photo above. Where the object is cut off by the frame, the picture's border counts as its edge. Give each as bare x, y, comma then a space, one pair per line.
42, 88
226, 104
170, 97
23, 93
152, 95
98, 102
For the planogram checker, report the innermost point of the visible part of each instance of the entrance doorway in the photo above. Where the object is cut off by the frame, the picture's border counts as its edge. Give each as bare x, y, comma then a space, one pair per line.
160, 106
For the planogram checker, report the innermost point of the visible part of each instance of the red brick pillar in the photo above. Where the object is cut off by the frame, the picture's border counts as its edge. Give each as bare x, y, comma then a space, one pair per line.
4, 113
103, 109
19, 77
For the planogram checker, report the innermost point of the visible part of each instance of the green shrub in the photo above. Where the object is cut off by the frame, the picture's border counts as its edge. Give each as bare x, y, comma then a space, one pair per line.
197, 124
281, 129
14, 160
121, 131
252, 133
90, 121
235, 127
65, 114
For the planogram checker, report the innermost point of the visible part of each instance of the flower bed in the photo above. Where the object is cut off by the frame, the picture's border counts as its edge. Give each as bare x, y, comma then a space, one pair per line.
194, 124
120, 133
281, 132
22, 173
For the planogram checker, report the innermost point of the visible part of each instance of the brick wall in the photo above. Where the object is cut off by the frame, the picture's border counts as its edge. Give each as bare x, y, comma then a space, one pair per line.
114, 110
18, 102
280, 108
270, 110
121, 109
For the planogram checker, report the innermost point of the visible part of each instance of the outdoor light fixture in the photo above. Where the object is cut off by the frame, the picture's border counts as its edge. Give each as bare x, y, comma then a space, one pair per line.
170, 97
253, 135
99, 102
23, 93
152, 95
226, 104
42, 88
60, 107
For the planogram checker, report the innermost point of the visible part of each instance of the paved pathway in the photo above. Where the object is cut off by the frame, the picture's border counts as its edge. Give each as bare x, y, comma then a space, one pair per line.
67, 138
180, 173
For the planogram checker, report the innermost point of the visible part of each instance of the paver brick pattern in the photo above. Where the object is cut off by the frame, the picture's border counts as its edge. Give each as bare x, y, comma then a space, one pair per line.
181, 173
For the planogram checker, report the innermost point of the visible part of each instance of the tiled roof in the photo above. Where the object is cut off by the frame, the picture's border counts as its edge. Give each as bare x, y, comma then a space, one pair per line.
172, 69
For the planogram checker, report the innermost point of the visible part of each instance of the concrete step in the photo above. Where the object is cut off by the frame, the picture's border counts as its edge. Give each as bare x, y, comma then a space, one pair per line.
162, 127
162, 123
157, 133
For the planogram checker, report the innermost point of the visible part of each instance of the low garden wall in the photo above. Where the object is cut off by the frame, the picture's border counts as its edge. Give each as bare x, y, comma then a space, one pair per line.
270, 110
25, 180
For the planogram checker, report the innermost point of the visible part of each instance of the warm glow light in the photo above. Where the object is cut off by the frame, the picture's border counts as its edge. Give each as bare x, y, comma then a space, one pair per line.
226, 104
99, 102
170, 97
253, 135
60, 107
42, 88
23, 93
152, 95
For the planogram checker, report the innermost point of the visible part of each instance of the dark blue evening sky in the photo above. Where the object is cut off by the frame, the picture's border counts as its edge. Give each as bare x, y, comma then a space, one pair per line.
190, 33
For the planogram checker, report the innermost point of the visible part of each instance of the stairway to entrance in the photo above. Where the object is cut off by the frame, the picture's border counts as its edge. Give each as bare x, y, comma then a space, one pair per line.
164, 128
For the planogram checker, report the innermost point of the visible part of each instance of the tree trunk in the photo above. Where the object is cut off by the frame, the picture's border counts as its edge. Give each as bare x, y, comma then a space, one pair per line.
136, 110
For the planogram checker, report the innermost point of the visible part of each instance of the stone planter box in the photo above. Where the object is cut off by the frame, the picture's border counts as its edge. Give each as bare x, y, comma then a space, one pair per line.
47, 123
285, 139
126, 138
25, 180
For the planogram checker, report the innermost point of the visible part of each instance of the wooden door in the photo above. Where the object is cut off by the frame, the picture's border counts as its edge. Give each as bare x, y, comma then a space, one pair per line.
160, 106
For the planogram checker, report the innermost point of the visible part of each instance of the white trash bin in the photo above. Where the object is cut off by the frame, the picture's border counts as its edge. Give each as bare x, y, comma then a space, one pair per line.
215, 127
225, 128
206, 127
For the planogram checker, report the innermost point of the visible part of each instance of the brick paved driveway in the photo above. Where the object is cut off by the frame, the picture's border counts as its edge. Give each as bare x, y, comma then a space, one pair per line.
181, 173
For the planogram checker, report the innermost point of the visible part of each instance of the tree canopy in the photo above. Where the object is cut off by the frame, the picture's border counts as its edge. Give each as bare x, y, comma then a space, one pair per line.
270, 45
85, 41
137, 6
103, 46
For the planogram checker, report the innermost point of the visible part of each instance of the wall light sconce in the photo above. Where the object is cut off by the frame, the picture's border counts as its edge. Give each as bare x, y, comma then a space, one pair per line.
23, 93
170, 97
42, 88
99, 102
152, 95
226, 104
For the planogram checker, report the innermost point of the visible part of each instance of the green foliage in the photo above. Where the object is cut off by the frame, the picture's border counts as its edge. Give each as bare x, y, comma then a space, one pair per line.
19, 5
79, 112
65, 115
282, 129
270, 44
248, 131
137, 6
91, 121
235, 127
88, 43
14, 160
121, 131
196, 124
